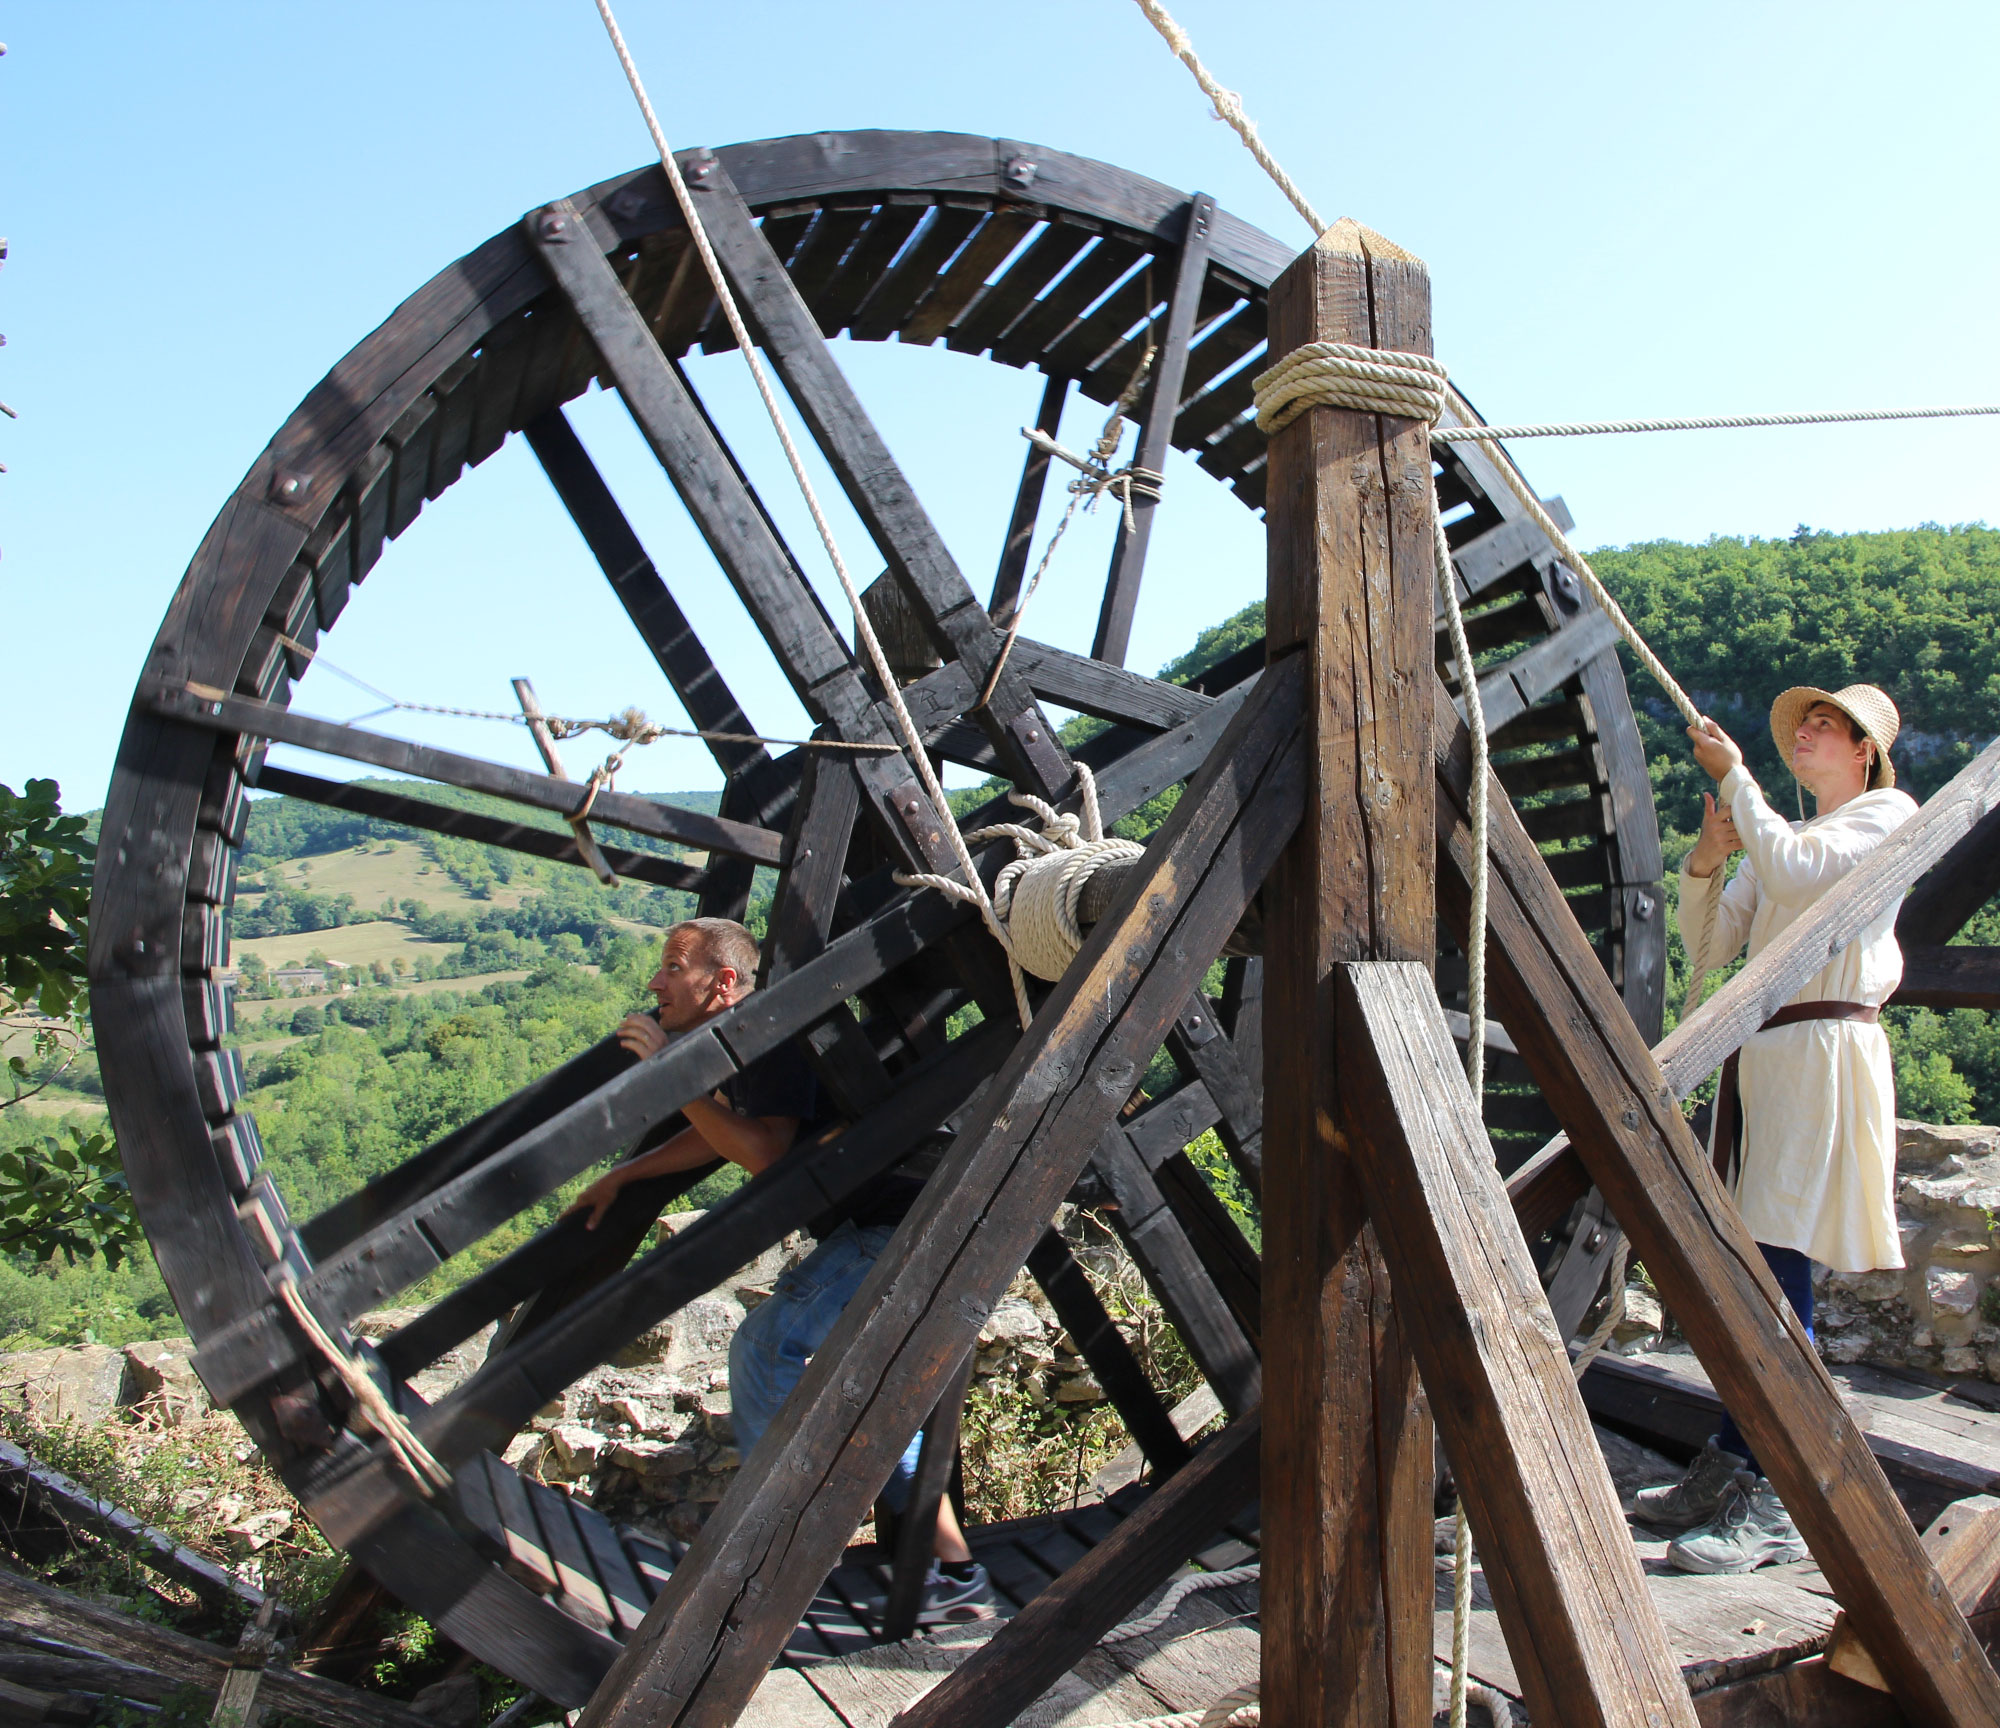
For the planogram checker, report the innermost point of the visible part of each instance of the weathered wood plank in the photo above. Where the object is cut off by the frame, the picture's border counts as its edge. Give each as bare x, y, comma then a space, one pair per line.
1586, 1641
916, 1532
1597, 1074
729, 1607
218, 711
1062, 1624
1347, 1581
1961, 882
1160, 404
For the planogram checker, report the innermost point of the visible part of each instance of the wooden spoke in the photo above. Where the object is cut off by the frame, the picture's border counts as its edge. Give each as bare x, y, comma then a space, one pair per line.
409, 812
1945, 978
917, 1524
1160, 1248
1961, 882
1014, 550
1161, 405
662, 626
217, 711
902, 530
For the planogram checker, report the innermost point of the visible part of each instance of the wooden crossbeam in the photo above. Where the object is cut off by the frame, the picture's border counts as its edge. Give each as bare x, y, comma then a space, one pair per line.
1964, 1541
1161, 403
1961, 882
219, 711
730, 1605
409, 812
655, 614
1347, 1585
1580, 1625
1623, 1114
1062, 1625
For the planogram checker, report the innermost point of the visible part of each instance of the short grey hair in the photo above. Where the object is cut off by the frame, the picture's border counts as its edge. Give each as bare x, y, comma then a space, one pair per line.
723, 942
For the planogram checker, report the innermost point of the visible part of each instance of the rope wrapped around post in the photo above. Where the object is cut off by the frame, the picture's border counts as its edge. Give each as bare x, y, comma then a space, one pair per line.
1038, 895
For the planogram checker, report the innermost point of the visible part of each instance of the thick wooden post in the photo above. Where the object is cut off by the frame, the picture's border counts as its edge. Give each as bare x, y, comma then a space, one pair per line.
1348, 1583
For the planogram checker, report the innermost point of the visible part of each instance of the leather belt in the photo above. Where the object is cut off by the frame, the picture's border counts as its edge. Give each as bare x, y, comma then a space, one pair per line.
1728, 1114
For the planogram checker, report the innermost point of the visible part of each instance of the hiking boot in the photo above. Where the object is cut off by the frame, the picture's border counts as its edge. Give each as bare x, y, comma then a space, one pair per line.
949, 1600
1696, 1497
1752, 1529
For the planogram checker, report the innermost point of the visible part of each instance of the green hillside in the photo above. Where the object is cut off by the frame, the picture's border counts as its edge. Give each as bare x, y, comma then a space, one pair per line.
476, 970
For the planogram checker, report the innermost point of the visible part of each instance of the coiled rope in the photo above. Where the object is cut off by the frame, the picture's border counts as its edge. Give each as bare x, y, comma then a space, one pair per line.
1038, 894
863, 629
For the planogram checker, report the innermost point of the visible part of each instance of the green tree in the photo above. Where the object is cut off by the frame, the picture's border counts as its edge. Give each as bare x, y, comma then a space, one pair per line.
59, 1193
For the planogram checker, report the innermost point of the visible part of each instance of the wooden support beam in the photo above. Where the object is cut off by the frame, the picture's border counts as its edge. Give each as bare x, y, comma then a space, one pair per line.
218, 711
1055, 1631
1202, 1050
1946, 978
410, 812
1586, 1640
1624, 1117
1020, 539
1232, 1265
1347, 1586
731, 1604
1159, 1246
1100, 1343
1963, 1542
1161, 404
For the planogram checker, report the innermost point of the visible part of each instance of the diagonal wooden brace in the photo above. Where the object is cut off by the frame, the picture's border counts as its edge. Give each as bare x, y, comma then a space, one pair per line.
1586, 1639
730, 1605
1625, 1121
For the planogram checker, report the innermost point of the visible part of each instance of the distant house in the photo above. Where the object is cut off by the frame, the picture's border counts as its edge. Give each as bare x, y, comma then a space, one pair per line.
298, 977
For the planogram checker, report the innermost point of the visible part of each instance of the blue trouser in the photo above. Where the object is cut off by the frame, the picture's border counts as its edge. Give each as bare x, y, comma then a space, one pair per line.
1793, 1272
778, 1337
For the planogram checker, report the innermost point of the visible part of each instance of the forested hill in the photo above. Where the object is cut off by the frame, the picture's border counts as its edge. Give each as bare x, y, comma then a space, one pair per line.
1916, 611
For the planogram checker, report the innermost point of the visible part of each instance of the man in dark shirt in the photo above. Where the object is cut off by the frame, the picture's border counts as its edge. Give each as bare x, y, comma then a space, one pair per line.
709, 965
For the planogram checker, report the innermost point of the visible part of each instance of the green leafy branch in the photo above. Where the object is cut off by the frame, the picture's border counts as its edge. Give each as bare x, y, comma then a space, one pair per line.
66, 1198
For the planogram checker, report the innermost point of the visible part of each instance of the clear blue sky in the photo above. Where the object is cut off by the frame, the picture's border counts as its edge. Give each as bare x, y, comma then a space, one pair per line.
1702, 208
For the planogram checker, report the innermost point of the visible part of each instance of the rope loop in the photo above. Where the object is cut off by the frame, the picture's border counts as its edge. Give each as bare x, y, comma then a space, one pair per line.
1341, 375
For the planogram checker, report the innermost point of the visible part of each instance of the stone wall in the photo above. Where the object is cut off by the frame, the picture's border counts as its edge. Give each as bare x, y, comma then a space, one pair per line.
1941, 1312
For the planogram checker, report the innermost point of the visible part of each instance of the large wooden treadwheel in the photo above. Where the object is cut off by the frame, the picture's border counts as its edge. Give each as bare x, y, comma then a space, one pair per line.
1029, 256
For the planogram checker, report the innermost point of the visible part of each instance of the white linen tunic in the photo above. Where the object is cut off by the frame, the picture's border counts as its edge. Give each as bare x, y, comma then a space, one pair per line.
1819, 1097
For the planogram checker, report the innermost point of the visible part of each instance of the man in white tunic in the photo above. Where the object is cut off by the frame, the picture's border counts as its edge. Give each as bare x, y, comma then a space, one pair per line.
1816, 1176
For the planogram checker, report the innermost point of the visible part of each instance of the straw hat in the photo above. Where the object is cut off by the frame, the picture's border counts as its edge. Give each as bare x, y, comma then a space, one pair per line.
1864, 704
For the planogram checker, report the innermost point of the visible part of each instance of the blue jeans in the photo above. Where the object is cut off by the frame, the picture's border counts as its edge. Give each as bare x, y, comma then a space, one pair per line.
769, 1353
1793, 1272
